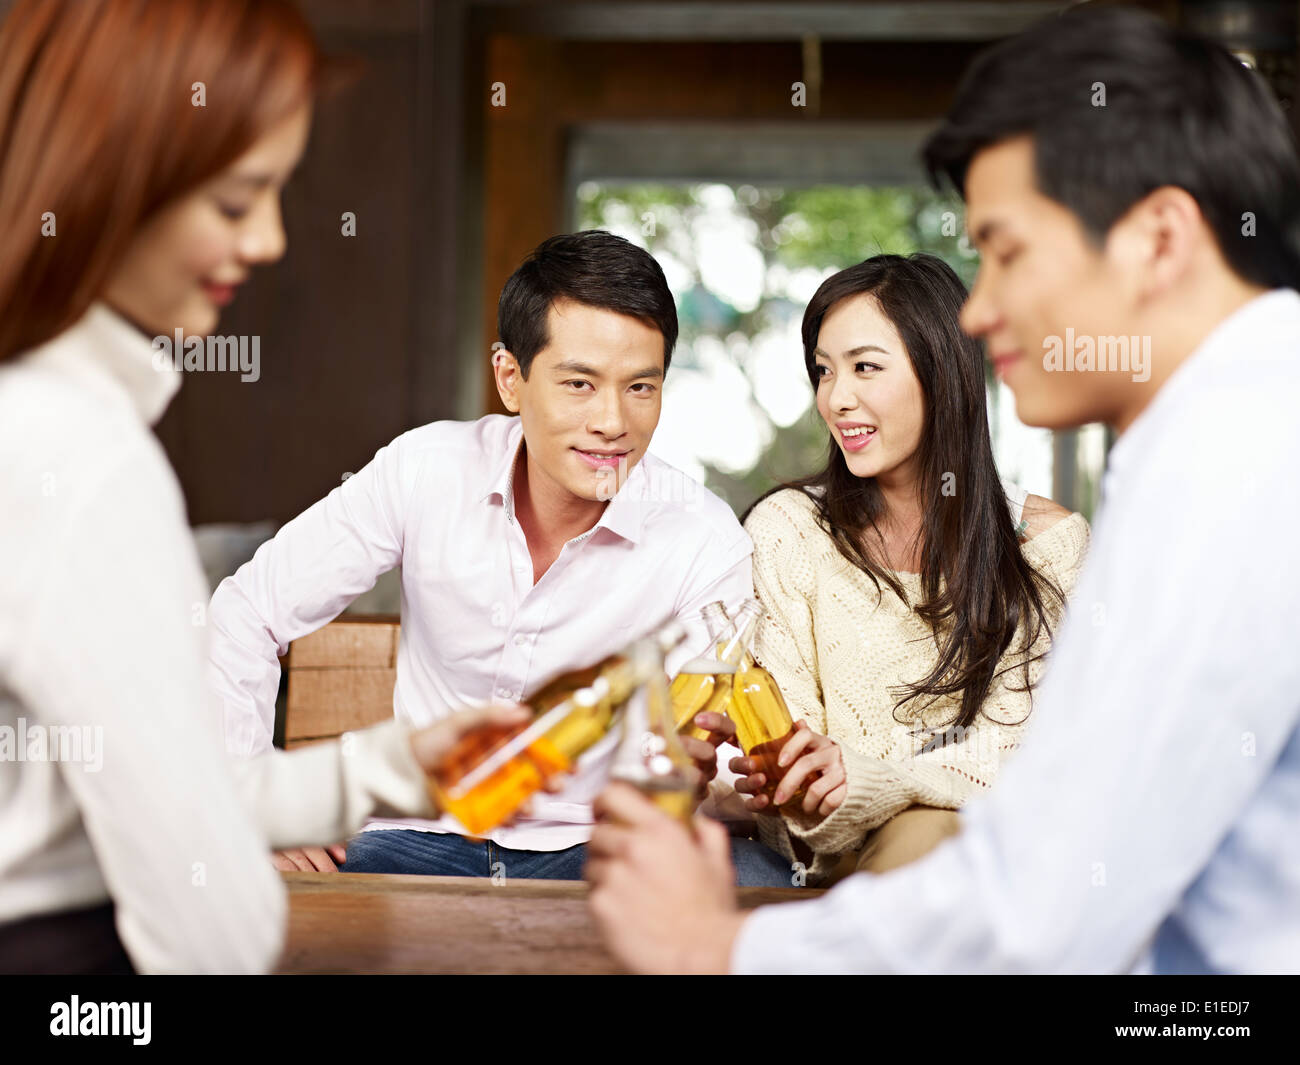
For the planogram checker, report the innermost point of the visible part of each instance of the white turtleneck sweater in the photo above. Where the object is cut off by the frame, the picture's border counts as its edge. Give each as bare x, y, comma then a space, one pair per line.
113, 777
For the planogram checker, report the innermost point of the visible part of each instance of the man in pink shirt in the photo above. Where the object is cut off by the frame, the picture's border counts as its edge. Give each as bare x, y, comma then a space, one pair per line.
529, 546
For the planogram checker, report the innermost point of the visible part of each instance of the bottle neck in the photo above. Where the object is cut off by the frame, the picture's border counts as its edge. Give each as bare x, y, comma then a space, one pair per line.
736, 650
716, 620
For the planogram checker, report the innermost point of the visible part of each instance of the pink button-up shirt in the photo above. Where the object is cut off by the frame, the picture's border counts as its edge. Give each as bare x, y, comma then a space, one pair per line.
439, 502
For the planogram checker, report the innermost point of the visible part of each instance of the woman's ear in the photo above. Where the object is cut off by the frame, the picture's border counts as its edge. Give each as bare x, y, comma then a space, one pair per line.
505, 368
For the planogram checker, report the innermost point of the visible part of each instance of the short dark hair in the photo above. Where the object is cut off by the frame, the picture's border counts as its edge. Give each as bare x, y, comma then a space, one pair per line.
593, 267
1179, 110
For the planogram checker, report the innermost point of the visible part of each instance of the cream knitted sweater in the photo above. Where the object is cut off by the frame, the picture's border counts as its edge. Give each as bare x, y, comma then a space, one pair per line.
840, 656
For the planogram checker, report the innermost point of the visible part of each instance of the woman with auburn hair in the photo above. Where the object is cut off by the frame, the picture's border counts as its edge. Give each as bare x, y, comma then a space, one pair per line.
909, 594
134, 197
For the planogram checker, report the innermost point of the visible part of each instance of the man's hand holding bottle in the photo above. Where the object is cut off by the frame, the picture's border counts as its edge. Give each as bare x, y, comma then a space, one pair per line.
430, 746
704, 752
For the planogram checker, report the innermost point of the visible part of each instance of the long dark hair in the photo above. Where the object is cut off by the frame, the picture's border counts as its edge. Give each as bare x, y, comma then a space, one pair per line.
977, 589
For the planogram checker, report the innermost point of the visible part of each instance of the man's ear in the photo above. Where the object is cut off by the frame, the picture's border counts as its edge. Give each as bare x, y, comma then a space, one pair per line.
1158, 238
509, 377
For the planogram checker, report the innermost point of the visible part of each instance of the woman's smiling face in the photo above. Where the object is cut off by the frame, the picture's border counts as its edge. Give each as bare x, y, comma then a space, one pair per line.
188, 260
867, 392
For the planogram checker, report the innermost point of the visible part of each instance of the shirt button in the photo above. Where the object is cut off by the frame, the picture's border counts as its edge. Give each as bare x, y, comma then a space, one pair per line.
520, 640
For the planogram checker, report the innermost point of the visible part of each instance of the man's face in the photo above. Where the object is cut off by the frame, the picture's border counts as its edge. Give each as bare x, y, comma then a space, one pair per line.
591, 401
1041, 287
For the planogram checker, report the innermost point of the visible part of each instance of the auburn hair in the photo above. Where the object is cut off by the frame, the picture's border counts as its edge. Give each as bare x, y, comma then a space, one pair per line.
111, 109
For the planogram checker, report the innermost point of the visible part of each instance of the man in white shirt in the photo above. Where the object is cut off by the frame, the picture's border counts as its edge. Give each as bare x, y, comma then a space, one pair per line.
1134, 272
529, 546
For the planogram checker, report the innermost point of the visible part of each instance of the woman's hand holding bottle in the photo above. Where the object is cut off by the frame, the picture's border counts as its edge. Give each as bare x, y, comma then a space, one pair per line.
805, 757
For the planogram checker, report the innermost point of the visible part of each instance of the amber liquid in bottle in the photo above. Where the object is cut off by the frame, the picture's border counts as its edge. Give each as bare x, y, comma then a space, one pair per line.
694, 692
556, 691
651, 756
763, 727
698, 687
591, 695
753, 699
491, 802
675, 798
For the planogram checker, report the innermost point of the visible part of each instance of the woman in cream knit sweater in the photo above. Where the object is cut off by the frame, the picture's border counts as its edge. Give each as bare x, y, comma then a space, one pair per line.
909, 596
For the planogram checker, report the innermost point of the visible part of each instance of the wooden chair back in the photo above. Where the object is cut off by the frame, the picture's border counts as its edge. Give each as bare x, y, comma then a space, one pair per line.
341, 677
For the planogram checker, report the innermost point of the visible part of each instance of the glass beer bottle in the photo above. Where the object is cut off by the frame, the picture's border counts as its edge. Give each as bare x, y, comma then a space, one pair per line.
556, 690
764, 726
719, 622
481, 804
650, 756
704, 683
490, 772
757, 707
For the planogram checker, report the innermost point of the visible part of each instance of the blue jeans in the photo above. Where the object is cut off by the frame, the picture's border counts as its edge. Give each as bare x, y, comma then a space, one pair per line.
446, 854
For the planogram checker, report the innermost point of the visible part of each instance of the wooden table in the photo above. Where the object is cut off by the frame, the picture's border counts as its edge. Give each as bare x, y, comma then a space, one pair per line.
371, 923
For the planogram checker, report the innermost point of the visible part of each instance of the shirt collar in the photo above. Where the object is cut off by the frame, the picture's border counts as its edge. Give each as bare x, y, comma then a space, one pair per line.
501, 483
624, 516
104, 346
1253, 318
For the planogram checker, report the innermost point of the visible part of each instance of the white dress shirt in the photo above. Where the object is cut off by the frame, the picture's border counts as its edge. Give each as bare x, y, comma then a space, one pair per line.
439, 501
112, 777
1152, 820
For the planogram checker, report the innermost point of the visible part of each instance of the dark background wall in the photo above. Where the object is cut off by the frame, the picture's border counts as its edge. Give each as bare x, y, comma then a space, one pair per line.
363, 337
359, 334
